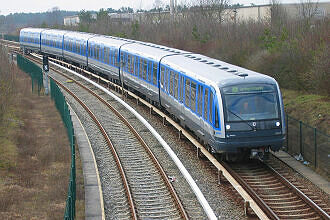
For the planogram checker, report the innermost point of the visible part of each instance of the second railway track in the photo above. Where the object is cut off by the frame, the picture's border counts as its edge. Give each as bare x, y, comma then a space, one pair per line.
278, 195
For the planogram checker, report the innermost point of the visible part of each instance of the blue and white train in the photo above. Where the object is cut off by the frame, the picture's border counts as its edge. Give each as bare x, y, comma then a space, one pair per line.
233, 111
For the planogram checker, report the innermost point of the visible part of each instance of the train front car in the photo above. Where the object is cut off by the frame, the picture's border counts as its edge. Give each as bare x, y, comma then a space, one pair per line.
235, 112
29, 39
253, 116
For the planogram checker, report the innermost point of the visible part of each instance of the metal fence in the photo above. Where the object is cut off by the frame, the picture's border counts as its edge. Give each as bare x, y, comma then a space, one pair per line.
308, 144
35, 73
62, 107
33, 70
11, 37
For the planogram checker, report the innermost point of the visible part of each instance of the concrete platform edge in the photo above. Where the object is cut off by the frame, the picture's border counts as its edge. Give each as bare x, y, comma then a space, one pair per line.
94, 206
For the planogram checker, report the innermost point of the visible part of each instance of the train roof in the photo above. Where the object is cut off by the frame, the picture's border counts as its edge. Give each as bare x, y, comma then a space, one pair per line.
109, 41
214, 71
151, 51
54, 32
78, 35
32, 30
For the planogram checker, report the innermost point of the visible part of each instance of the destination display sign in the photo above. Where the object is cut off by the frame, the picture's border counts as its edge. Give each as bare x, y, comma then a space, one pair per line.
248, 88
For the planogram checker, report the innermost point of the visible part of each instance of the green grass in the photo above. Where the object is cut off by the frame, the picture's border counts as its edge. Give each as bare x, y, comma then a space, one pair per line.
8, 154
310, 108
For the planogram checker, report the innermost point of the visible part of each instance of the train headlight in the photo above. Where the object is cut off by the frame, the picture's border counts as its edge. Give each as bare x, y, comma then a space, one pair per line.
277, 123
227, 127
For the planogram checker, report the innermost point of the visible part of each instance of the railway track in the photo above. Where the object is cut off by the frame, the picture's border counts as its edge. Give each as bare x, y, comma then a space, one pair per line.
280, 198
152, 194
272, 201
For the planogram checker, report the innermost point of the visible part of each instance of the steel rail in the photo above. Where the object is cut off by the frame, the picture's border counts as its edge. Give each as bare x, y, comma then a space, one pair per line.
269, 212
152, 156
105, 135
143, 143
299, 193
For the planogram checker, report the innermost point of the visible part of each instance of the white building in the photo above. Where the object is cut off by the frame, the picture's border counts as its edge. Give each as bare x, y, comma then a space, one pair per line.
74, 20
71, 20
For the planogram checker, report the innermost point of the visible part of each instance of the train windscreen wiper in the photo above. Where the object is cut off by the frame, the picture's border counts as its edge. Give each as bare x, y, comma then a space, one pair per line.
253, 128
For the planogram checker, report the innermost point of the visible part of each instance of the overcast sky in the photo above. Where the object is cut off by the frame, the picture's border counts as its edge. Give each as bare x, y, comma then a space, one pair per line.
12, 6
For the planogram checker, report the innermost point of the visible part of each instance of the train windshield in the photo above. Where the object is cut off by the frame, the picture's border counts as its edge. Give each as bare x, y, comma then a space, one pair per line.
251, 102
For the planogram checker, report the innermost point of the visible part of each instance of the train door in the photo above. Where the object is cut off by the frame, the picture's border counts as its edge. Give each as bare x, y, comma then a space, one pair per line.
199, 109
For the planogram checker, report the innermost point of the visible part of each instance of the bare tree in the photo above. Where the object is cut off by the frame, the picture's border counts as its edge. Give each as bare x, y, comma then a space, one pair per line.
307, 9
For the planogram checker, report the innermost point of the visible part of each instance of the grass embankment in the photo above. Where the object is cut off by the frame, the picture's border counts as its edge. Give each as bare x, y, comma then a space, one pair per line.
34, 158
309, 108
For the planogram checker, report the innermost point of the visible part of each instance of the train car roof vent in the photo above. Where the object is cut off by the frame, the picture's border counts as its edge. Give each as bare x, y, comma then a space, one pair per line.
224, 68
203, 61
216, 65
243, 75
197, 59
232, 71
210, 63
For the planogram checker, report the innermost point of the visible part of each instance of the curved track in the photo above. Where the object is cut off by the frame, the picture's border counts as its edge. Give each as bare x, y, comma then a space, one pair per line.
149, 191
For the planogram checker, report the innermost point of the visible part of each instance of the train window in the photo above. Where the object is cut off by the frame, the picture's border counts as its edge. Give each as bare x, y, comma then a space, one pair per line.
106, 55
145, 67
136, 65
162, 73
181, 87
166, 80
200, 99
193, 96
211, 108
132, 64
116, 58
111, 57
216, 117
187, 93
90, 51
171, 82
97, 52
176, 85
128, 63
141, 68
206, 102
150, 71
154, 78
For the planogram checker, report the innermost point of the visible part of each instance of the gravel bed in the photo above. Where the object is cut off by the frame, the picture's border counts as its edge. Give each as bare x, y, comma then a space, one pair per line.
220, 197
115, 201
190, 202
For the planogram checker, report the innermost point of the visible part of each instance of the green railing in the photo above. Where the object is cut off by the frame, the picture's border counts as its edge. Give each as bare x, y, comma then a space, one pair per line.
62, 107
11, 37
33, 70
312, 144
35, 73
